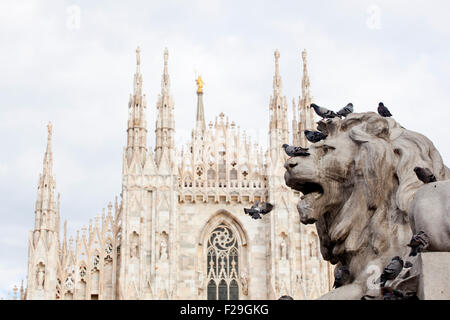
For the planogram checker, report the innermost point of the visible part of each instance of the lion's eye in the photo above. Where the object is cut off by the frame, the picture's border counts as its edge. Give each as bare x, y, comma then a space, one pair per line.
326, 149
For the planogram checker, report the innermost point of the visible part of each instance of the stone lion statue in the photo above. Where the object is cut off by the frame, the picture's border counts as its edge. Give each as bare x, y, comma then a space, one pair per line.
357, 187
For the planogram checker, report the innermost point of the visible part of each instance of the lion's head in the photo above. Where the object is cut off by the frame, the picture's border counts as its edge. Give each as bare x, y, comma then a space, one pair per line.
357, 185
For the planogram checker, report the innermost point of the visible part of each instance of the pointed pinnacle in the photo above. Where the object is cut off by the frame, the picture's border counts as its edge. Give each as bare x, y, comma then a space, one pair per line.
304, 54
276, 54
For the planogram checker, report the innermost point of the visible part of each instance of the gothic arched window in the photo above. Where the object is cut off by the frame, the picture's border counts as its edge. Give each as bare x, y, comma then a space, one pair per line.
223, 264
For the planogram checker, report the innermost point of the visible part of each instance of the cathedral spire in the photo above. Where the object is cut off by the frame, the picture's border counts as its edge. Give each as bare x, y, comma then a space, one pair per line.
165, 123
305, 81
48, 156
277, 83
278, 126
200, 119
307, 114
44, 243
138, 75
46, 208
165, 82
137, 124
295, 133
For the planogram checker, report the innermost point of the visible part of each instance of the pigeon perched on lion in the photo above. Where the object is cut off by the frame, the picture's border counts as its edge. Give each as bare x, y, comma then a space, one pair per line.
357, 187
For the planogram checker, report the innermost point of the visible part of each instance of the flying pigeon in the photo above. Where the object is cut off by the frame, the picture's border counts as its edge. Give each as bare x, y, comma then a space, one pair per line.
323, 112
341, 276
258, 209
345, 111
425, 175
419, 242
314, 136
391, 271
292, 151
383, 111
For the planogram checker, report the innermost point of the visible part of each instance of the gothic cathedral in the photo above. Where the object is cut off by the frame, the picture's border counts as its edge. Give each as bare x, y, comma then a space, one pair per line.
179, 230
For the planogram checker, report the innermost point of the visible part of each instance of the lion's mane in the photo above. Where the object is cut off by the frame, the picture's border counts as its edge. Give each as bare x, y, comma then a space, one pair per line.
373, 217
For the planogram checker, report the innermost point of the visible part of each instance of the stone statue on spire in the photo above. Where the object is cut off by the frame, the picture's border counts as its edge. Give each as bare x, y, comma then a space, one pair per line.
49, 127
277, 77
166, 55
304, 57
138, 56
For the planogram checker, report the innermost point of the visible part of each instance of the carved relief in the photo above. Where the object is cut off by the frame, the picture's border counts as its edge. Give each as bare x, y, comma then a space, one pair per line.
244, 282
69, 282
134, 246
163, 251
283, 247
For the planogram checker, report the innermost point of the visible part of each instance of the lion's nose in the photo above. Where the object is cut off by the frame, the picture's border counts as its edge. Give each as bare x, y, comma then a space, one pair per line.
290, 163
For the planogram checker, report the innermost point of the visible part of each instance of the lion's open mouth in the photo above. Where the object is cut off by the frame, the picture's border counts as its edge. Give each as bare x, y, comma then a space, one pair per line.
309, 188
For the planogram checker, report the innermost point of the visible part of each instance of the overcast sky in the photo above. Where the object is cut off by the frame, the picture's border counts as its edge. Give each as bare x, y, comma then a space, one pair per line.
72, 63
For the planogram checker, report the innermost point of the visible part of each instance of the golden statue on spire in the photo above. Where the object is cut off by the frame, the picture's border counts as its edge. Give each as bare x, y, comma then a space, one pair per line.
199, 84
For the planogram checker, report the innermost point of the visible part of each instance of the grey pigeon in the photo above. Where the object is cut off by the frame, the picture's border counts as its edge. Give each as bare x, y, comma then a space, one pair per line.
425, 175
383, 111
314, 136
292, 151
345, 111
391, 294
368, 297
407, 265
285, 298
419, 242
391, 271
323, 112
258, 209
341, 276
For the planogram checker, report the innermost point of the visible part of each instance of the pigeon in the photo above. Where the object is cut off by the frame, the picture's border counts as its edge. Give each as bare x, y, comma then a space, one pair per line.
368, 297
383, 111
391, 271
411, 296
292, 151
345, 111
314, 136
323, 112
391, 294
419, 242
258, 209
407, 265
425, 175
341, 276
285, 298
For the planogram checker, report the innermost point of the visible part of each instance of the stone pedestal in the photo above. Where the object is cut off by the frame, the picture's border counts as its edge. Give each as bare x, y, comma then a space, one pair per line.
434, 281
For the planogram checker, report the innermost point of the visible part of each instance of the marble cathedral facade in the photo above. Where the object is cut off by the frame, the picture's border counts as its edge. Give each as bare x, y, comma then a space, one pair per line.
179, 230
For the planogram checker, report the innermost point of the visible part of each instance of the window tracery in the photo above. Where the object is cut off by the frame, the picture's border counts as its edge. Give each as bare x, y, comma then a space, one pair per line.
223, 265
